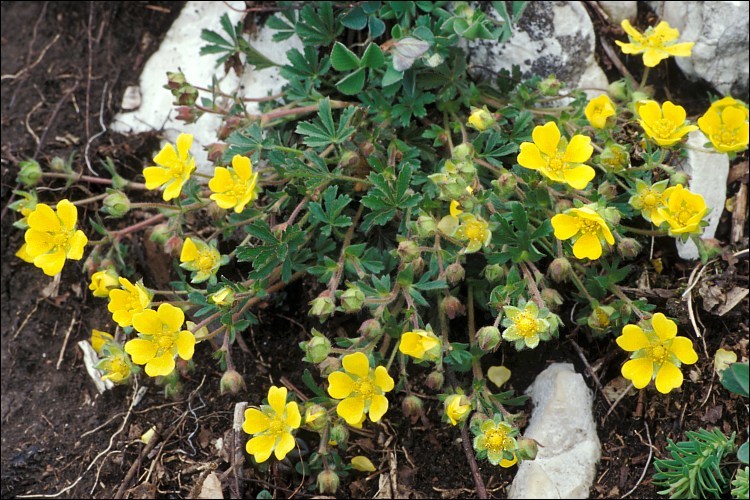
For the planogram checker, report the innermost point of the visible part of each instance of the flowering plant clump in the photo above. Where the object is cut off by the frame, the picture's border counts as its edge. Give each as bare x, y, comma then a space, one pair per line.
432, 222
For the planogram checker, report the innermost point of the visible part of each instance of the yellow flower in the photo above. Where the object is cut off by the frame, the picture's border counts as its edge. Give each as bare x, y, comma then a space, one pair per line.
99, 338
203, 260
224, 296
496, 438
24, 255
523, 326
557, 159
725, 123
361, 389
128, 301
481, 119
649, 199
115, 363
683, 211
52, 237
475, 230
455, 208
656, 351
363, 464
103, 281
665, 124
457, 408
598, 110
272, 426
160, 340
420, 344
236, 186
587, 227
173, 168
655, 44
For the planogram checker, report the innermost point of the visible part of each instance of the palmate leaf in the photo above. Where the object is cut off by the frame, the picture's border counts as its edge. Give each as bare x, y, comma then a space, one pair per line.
312, 170
272, 251
343, 59
317, 25
329, 211
384, 200
322, 132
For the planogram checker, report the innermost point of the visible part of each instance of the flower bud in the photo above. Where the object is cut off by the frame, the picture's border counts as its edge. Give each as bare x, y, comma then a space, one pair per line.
679, 177
607, 190
600, 319
160, 233
116, 204
329, 365
550, 86
370, 330
57, 164
352, 299
629, 248
189, 114
618, 90
224, 296
173, 245
562, 205
231, 382
493, 272
322, 306
412, 407
453, 188
408, 251
560, 270
637, 97
505, 184
29, 173
328, 482
316, 417
216, 151
463, 152
317, 348
425, 226
551, 298
349, 159
452, 307
454, 273
527, 448
481, 119
614, 158
488, 338
338, 436
175, 80
435, 380
434, 60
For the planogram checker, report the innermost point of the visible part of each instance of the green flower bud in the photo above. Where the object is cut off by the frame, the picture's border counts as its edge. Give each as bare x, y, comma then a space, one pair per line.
454, 188
505, 184
612, 216
57, 164
488, 338
352, 299
328, 482
527, 448
629, 248
679, 177
222, 297
452, 307
408, 251
29, 173
560, 270
454, 273
435, 380
175, 80
338, 436
231, 382
481, 119
371, 330
463, 152
552, 299
317, 348
614, 158
425, 226
160, 233
493, 272
639, 96
412, 407
116, 204
607, 190
466, 170
322, 306
329, 365
550, 86
316, 417
600, 319
349, 159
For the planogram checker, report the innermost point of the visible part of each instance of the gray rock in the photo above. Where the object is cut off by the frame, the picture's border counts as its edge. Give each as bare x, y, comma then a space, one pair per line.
720, 31
562, 422
708, 171
549, 38
619, 11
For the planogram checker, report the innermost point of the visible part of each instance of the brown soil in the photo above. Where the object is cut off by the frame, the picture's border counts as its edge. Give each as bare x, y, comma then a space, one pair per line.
57, 431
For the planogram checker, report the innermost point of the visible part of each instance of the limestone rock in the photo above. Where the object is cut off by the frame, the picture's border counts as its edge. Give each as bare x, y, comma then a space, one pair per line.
562, 422
619, 11
549, 38
708, 171
721, 54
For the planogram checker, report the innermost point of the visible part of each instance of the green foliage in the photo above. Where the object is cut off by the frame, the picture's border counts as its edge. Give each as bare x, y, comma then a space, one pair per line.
735, 379
233, 45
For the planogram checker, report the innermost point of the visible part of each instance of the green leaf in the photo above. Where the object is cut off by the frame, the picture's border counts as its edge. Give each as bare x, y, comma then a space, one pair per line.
226, 24
215, 38
323, 132
735, 379
307, 378
254, 57
353, 83
391, 76
331, 216
373, 57
317, 24
742, 453
376, 27
520, 219
355, 19
343, 59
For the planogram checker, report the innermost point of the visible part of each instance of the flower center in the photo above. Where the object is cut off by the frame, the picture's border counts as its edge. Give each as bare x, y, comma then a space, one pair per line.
726, 137
650, 200
117, 367
364, 387
205, 261
495, 440
61, 239
658, 353
684, 215
475, 230
556, 163
276, 427
526, 325
164, 341
664, 127
589, 227
177, 169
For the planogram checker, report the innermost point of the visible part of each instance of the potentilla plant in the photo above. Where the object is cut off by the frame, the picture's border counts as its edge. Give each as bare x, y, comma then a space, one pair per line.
444, 220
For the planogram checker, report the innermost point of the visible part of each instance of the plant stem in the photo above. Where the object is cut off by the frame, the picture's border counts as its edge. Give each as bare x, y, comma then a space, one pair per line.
580, 286
620, 295
645, 232
92, 180
91, 199
476, 365
644, 78
531, 285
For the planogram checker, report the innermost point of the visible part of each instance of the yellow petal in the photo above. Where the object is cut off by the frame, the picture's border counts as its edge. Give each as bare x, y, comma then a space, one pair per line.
578, 177
141, 350
565, 226
378, 407
68, 214
171, 316
167, 157
155, 176
225, 201
76, 245
185, 345
668, 378
340, 385
242, 166
383, 380
43, 218
148, 322
630, 30
664, 328
99, 338
632, 338
184, 141
255, 421
23, 254
547, 137
293, 417
362, 464
508, 463
411, 345
629, 48
357, 364
649, 111
277, 399
261, 447
51, 263
530, 157
160, 366
665, 33
221, 181
680, 49
682, 347
639, 371
589, 246
351, 409
37, 242
579, 149
455, 208
674, 113
172, 190
189, 251
652, 57
284, 446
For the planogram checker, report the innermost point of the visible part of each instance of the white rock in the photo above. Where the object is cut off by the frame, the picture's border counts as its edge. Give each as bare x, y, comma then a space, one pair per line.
619, 11
720, 31
549, 38
562, 422
180, 51
708, 171
131, 98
